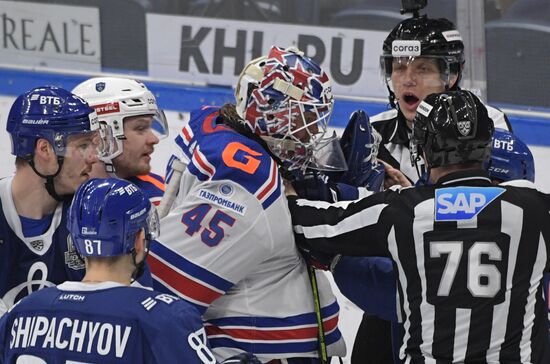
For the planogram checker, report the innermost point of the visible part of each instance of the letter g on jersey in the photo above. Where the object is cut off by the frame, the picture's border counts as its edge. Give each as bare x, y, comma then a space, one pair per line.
463, 203
239, 156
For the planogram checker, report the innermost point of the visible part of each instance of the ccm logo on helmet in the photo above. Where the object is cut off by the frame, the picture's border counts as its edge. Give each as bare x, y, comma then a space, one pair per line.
109, 108
405, 48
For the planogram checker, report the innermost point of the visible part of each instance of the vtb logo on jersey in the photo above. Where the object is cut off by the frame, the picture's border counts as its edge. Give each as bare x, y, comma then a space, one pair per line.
463, 203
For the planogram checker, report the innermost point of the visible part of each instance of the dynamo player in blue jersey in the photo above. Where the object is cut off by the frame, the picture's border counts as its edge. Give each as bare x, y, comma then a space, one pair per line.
111, 223
53, 140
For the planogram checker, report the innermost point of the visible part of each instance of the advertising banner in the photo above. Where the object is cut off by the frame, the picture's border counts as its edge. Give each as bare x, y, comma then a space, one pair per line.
45, 35
214, 51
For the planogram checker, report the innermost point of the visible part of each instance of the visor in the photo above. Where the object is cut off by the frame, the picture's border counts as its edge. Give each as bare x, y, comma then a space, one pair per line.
159, 125
152, 227
432, 71
85, 145
108, 148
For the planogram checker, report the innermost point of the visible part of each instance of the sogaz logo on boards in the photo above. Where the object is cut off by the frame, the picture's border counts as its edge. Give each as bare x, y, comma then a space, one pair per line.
463, 203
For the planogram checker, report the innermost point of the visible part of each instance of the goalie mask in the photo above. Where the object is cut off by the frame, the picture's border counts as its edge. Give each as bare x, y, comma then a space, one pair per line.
286, 99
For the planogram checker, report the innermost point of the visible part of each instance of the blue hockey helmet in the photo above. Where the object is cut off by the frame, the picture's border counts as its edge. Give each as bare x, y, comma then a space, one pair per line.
510, 158
51, 113
105, 216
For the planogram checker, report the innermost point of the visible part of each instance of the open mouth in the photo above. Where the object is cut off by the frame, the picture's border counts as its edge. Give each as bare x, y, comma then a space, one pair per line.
410, 99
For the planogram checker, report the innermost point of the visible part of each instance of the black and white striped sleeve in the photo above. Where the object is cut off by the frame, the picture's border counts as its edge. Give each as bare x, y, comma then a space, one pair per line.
347, 227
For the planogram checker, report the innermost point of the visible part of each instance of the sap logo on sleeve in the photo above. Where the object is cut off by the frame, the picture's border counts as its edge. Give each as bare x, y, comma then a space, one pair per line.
463, 203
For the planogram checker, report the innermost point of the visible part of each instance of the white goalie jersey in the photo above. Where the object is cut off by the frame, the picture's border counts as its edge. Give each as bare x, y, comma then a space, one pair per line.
227, 246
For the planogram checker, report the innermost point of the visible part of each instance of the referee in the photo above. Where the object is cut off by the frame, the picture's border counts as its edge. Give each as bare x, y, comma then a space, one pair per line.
469, 256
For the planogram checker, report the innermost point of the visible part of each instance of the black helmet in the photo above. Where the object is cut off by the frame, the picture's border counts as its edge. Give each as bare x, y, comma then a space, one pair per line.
424, 37
452, 128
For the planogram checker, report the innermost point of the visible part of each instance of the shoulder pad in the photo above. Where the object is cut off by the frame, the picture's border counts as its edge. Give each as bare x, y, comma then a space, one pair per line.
217, 152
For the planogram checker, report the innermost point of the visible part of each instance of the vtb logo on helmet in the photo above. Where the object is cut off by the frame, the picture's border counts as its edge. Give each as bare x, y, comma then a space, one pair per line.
510, 158
286, 99
51, 113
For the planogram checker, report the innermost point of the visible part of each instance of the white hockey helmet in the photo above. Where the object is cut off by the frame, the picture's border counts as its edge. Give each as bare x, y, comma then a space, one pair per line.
115, 99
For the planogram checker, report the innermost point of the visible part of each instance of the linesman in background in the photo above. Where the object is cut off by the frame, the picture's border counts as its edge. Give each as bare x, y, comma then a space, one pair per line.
469, 256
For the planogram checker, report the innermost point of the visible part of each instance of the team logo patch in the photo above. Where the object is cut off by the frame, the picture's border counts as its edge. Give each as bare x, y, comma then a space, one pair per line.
72, 259
463, 203
222, 201
37, 244
100, 86
226, 189
464, 127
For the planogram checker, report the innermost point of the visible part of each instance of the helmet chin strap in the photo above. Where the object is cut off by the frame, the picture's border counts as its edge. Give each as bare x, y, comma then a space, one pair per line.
140, 266
110, 168
391, 97
49, 185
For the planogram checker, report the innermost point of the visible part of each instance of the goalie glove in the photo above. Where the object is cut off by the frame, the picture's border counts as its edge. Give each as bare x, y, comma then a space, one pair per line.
360, 143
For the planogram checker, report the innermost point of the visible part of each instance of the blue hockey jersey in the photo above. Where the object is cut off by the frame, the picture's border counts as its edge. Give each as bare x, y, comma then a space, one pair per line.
103, 323
28, 264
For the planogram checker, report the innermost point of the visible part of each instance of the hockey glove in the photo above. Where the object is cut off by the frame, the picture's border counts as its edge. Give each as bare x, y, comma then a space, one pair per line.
315, 257
243, 358
316, 185
360, 143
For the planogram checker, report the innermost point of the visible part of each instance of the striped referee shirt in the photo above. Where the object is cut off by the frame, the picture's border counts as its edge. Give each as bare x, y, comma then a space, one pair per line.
469, 257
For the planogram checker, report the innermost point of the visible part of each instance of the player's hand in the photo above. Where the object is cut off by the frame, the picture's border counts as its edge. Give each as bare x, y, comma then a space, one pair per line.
394, 176
316, 258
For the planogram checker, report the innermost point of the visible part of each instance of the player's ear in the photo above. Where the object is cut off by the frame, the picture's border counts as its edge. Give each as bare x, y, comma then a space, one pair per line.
44, 157
139, 243
43, 148
453, 80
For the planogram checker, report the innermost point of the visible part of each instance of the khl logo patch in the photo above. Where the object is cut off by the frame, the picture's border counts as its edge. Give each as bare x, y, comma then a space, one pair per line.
100, 86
